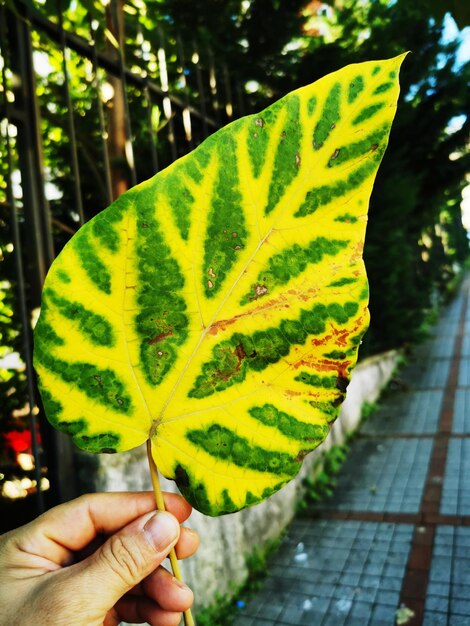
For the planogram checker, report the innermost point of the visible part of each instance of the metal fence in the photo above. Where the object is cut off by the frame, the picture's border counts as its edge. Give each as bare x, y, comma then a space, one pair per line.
87, 109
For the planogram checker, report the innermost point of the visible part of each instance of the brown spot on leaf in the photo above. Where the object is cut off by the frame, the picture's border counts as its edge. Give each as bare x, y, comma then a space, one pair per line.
341, 337
240, 354
260, 290
211, 272
297, 159
291, 393
374, 147
160, 337
265, 305
210, 284
341, 367
259, 122
335, 154
301, 455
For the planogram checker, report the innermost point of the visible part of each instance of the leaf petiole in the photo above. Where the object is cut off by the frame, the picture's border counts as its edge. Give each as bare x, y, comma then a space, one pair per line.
188, 617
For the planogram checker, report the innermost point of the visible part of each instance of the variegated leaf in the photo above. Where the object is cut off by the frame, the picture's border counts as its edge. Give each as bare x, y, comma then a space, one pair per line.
218, 307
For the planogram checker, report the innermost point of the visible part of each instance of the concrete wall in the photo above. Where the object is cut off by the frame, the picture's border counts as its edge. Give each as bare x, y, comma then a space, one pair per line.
219, 565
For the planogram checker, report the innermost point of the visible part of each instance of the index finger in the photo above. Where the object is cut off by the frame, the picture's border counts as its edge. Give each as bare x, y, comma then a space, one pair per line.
71, 526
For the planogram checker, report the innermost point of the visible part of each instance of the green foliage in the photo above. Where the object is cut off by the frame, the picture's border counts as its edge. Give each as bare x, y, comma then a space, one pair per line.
12, 375
322, 481
223, 611
220, 613
368, 408
257, 563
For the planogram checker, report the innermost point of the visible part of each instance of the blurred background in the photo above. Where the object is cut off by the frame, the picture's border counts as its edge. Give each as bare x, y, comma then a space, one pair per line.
97, 95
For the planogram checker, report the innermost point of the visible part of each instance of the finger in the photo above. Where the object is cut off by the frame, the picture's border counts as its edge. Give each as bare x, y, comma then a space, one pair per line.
140, 610
188, 543
106, 513
73, 525
125, 559
170, 594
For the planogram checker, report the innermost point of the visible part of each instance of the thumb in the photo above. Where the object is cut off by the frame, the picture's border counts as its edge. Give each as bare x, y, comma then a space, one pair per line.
127, 557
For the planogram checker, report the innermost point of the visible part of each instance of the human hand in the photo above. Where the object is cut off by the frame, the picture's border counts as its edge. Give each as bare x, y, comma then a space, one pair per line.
95, 561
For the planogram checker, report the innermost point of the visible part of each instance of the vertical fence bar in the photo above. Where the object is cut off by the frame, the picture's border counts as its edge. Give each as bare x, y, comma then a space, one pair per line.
70, 121
122, 76
148, 104
240, 101
19, 270
228, 93
153, 147
167, 109
185, 113
213, 87
103, 132
39, 248
196, 59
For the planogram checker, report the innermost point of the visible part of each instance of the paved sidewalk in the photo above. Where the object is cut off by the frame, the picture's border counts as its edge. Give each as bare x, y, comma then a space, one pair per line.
396, 533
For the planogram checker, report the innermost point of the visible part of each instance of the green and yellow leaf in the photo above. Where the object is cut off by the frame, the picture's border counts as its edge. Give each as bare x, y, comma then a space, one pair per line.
218, 307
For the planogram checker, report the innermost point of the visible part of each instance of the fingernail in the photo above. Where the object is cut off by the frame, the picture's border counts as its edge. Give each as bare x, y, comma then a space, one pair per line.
162, 529
180, 584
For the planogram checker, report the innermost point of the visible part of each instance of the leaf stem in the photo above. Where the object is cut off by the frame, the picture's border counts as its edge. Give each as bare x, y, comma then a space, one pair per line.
188, 617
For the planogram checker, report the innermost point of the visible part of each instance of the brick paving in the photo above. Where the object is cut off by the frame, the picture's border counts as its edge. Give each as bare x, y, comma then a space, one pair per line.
396, 532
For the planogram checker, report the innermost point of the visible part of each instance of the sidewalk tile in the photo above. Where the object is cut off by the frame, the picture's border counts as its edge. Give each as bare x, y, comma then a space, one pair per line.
437, 603
458, 620
464, 372
435, 347
358, 583
428, 374
435, 619
450, 576
466, 346
461, 421
456, 489
382, 475
413, 412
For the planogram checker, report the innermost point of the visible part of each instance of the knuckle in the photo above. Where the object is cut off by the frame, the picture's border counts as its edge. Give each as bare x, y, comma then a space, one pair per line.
124, 557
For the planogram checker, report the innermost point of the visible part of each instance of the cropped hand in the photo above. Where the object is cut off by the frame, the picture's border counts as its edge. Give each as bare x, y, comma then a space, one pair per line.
96, 561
